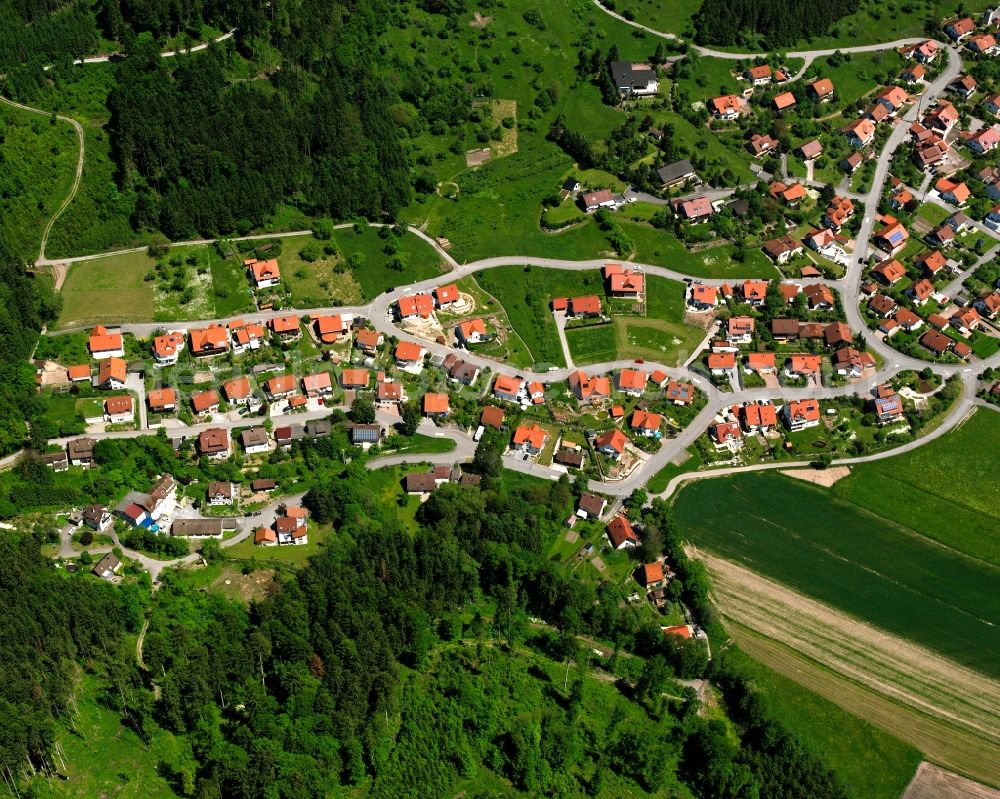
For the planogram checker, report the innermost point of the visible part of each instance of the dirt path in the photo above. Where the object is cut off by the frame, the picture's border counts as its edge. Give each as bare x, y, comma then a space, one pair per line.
931, 782
76, 178
905, 672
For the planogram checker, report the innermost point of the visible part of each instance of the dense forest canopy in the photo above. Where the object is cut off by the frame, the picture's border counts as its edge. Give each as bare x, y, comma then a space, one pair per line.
726, 22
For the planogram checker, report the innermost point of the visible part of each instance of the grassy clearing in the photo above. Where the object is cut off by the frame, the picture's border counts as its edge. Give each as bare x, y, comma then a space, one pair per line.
37, 166
951, 493
108, 290
657, 484
805, 537
374, 275
870, 763
107, 758
295, 555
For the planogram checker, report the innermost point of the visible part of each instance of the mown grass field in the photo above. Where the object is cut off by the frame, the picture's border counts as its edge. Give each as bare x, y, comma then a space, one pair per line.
871, 763
108, 291
37, 165
593, 344
827, 549
946, 490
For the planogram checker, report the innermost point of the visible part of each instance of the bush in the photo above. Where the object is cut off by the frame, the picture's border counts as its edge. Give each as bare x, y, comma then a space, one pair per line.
310, 253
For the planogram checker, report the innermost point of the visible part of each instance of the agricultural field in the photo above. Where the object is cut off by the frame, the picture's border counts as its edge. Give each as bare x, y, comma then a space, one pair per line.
951, 492
37, 165
837, 553
871, 763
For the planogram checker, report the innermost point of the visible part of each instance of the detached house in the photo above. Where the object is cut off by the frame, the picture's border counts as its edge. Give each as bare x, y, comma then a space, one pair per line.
368, 341
263, 274
472, 331
960, 28
727, 106
697, 209
761, 145
318, 384
851, 362
982, 44
280, 386
285, 328
726, 435
409, 355
238, 391
415, 305
530, 439
645, 423
626, 284
634, 80
589, 389
209, 341
254, 440
246, 336
507, 388
162, 400
119, 410
679, 393
205, 401
985, 141
860, 133
892, 238
621, 534
801, 414
759, 417
111, 374
105, 344
758, 76
611, 443
330, 329
214, 443
632, 382
889, 272
167, 347
435, 404
821, 89
782, 250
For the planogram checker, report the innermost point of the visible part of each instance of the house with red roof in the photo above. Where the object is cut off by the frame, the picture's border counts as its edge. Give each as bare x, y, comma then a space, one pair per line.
285, 328
111, 374
318, 384
209, 341
805, 366
754, 291
167, 347
530, 439
761, 362
821, 89
726, 106
246, 337
436, 404
950, 191
679, 393
589, 389
645, 423
892, 237
446, 296
611, 443
921, 291
759, 417
801, 414
368, 341
104, 343
330, 329
263, 274
759, 145
508, 388
726, 435
758, 76
697, 209
237, 391
632, 382
415, 305
471, 331
860, 133
935, 342
119, 410
621, 534
626, 284
850, 362
281, 386
162, 400
783, 101
982, 44
585, 306
702, 297
985, 141
409, 355
739, 329
781, 250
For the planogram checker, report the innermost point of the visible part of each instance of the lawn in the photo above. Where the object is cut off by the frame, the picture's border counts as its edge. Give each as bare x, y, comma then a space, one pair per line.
657, 484
106, 758
295, 555
952, 494
39, 160
833, 551
593, 344
108, 291
871, 763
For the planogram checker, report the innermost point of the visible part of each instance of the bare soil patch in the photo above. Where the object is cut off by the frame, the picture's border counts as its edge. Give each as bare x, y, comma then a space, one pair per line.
245, 587
932, 782
479, 21
475, 158
820, 477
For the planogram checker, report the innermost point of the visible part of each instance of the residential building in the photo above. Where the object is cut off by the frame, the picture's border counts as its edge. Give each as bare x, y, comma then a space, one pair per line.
820, 297
611, 443
214, 443
892, 237
332, 328
80, 452
254, 440
205, 401
761, 362
209, 341
591, 506
821, 89
739, 329
446, 296
801, 414
726, 106
167, 348
366, 435
679, 393
104, 343
119, 410
585, 306
982, 44
111, 373
530, 439
107, 567
97, 517
436, 404
955, 193
471, 331
282, 386
221, 493
318, 384
937, 343
837, 333
889, 272
492, 416
759, 417
697, 209
626, 284
634, 79
197, 528
726, 435
238, 391
758, 76
263, 274
285, 328
409, 355
851, 362
415, 305
632, 382
246, 337
759, 145
589, 389
675, 174
860, 133
507, 388
645, 423
621, 534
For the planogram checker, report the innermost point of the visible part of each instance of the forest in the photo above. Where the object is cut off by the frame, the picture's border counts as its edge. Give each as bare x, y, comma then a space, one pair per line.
726, 22
407, 663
